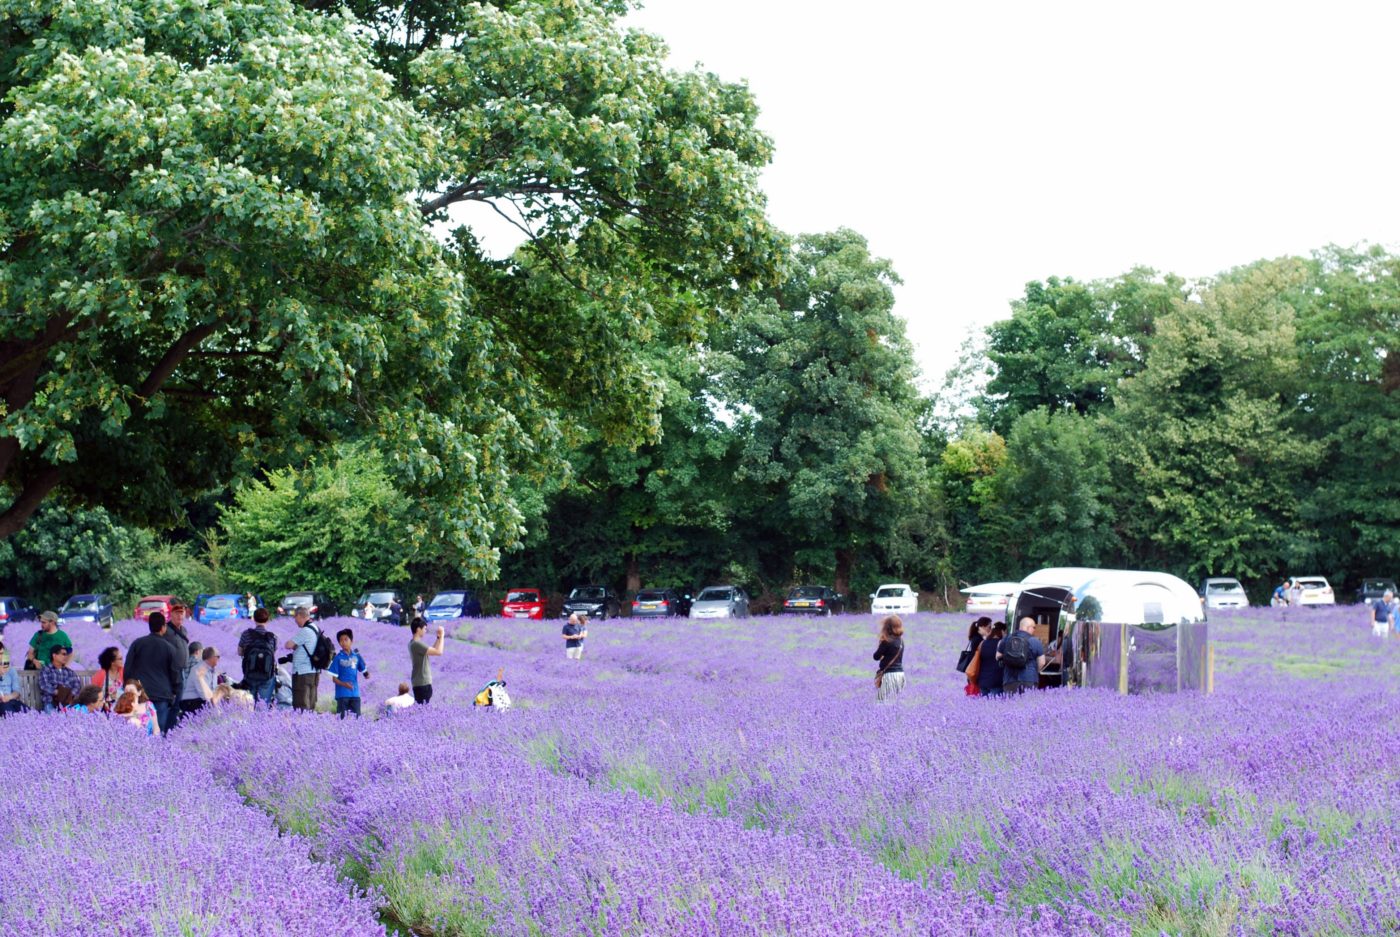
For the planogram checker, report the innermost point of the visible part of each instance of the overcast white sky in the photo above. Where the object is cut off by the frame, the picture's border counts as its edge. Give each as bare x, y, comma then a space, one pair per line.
982, 145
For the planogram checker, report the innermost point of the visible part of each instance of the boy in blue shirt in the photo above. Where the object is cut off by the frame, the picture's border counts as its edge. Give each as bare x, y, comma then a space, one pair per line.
345, 670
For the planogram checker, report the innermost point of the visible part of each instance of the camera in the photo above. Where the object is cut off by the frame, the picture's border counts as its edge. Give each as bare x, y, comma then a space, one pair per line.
285, 660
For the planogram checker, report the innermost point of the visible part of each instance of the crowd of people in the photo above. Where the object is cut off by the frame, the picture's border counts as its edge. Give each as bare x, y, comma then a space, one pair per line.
164, 676
993, 664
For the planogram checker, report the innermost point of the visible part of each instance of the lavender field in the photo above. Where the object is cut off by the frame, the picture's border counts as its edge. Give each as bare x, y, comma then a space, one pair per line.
729, 778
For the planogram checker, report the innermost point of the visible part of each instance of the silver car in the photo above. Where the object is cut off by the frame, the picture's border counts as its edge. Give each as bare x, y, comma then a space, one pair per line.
1223, 592
720, 602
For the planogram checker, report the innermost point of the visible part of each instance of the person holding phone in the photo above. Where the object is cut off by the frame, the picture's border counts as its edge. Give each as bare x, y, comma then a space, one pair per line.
419, 650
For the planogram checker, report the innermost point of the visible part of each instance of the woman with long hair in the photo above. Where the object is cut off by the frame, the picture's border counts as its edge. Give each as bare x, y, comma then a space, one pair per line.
109, 676
889, 678
967, 660
989, 674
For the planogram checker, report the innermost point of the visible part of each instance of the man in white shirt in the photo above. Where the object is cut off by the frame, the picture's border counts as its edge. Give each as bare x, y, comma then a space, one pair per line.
306, 679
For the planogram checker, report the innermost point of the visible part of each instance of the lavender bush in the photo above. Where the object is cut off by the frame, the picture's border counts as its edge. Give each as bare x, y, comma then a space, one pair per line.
737, 777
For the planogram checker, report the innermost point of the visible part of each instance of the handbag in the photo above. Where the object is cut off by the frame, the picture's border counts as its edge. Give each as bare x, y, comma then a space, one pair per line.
974, 668
965, 658
879, 677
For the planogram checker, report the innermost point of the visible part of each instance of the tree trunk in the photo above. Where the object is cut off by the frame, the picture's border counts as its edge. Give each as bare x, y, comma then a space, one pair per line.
844, 559
634, 575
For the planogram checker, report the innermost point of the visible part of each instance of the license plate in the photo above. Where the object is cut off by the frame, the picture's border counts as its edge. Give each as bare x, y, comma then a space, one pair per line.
651, 605
805, 604
522, 614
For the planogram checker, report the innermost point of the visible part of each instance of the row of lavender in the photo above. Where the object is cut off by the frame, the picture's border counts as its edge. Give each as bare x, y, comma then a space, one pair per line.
738, 778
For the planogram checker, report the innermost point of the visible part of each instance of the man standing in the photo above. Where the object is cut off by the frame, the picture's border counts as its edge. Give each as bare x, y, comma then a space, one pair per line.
152, 660
43, 642
1381, 614
56, 674
346, 668
257, 647
1021, 655
1281, 594
419, 651
306, 678
575, 630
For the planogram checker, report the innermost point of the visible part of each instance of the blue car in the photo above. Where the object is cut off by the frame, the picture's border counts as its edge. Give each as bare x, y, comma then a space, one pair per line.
226, 606
86, 607
453, 603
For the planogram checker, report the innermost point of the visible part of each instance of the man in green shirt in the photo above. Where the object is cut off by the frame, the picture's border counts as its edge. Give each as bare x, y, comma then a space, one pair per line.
44, 641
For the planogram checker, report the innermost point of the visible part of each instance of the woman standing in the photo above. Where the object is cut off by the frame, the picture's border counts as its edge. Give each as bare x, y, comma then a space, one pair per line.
889, 679
967, 659
989, 674
109, 675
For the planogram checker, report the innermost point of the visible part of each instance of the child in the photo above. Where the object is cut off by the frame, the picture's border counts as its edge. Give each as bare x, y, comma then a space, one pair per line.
575, 630
345, 670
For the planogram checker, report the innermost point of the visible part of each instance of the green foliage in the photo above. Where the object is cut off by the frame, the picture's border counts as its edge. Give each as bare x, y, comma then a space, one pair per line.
70, 550
335, 527
982, 542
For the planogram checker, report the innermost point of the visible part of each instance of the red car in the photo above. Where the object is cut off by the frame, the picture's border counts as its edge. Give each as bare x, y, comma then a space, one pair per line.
523, 603
153, 603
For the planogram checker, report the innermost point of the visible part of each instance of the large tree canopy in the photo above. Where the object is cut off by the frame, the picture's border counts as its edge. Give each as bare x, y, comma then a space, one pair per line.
216, 250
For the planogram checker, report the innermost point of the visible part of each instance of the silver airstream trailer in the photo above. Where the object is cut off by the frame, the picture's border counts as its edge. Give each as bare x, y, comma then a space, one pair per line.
1132, 631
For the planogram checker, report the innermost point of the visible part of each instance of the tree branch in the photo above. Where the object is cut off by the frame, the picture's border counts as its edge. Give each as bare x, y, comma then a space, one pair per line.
177, 353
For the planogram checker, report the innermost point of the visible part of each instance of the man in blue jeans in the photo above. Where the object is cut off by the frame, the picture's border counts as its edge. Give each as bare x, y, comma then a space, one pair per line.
257, 647
152, 660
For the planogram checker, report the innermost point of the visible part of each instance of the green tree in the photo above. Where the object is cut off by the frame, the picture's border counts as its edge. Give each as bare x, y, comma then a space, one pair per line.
821, 376
1056, 490
336, 526
1206, 468
67, 550
983, 545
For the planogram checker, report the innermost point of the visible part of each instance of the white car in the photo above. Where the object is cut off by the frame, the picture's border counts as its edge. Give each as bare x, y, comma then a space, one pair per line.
894, 598
1223, 592
1315, 590
990, 596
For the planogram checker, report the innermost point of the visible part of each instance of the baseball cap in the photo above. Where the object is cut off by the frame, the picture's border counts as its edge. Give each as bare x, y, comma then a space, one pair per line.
48, 615
178, 603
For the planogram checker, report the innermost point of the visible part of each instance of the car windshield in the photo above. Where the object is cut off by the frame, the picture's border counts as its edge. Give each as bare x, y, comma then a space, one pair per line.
298, 598
80, 603
446, 600
150, 605
715, 595
1312, 583
220, 601
1378, 585
588, 593
378, 598
890, 593
1227, 586
523, 595
651, 596
806, 592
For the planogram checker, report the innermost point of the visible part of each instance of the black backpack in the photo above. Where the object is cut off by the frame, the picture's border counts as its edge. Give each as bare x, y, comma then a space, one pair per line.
325, 650
259, 660
1015, 650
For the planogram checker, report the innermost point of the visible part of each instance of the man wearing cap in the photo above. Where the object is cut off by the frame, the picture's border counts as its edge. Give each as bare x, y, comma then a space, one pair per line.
152, 660
57, 674
306, 678
44, 641
179, 640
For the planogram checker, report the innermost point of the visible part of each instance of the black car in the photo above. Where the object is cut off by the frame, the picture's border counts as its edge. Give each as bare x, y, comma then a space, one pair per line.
13, 608
320, 604
1372, 589
660, 603
813, 600
594, 601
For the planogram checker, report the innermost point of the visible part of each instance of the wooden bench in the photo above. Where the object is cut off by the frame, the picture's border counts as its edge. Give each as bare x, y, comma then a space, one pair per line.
29, 686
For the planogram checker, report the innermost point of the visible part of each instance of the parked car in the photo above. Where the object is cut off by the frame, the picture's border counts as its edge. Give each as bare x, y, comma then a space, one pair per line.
990, 597
225, 606
658, 603
593, 601
1315, 590
152, 603
1372, 589
813, 600
1223, 592
320, 604
523, 603
86, 607
453, 603
201, 600
720, 602
14, 608
894, 598
380, 603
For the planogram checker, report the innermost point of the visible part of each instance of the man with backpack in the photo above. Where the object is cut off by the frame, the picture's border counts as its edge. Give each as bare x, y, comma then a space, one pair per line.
258, 649
1021, 655
311, 653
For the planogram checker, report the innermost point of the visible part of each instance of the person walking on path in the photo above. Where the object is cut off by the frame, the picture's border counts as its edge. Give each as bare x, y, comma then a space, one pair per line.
1381, 614
151, 661
1021, 655
346, 667
889, 655
575, 630
43, 642
257, 649
306, 678
419, 650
